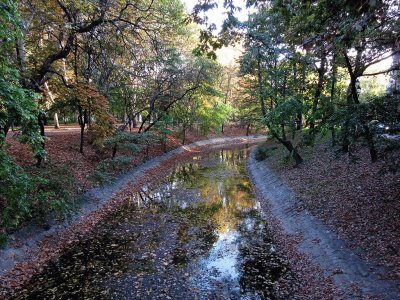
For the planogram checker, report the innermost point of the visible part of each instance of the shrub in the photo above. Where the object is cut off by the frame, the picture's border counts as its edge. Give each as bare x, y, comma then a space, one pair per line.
34, 193
263, 152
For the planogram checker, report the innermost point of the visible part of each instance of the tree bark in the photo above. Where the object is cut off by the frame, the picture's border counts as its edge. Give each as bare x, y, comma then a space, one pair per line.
82, 122
184, 136
41, 121
56, 122
332, 98
289, 146
248, 129
318, 90
260, 85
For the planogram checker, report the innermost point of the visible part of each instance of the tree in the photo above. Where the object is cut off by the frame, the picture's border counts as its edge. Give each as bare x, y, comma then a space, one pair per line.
268, 64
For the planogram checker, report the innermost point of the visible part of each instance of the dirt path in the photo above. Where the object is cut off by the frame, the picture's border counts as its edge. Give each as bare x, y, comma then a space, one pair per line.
28, 240
318, 243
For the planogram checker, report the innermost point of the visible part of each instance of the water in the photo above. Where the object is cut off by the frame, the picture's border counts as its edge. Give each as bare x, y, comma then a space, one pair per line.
198, 234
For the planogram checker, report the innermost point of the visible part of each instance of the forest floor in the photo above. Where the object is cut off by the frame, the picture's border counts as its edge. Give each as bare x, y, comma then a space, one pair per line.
337, 204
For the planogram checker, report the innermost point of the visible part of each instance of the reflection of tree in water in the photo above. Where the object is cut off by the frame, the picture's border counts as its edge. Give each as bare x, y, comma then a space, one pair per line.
196, 234
264, 272
232, 158
184, 175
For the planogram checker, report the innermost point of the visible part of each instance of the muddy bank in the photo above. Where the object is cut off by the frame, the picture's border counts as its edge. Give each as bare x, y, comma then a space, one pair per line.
310, 240
32, 247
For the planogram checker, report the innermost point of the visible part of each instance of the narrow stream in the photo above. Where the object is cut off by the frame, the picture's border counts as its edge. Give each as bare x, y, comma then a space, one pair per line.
198, 234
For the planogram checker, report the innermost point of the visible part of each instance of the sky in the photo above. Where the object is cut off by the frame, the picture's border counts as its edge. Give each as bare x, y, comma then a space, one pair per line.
227, 55
217, 15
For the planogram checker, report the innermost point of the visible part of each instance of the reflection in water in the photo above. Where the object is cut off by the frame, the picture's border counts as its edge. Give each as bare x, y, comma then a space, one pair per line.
197, 235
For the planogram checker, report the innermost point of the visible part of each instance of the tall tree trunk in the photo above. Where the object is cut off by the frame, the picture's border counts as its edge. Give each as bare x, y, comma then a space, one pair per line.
332, 98
184, 136
371, 144
82, 122
352, 96
346, 124
41, 121
303, 89
260, 85
289, 146
319, 88
248, 129
21, 58
56, 123
50, 95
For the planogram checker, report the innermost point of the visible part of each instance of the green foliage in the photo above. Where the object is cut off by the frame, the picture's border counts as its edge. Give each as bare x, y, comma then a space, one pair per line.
52, 192
263, 151
9, 21
131, 142
131, 145
33, 193
284, 113
14, 191
213, 117
17, 104
107, 168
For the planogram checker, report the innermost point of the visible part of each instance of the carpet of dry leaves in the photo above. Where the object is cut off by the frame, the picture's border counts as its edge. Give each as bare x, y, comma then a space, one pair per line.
358, 199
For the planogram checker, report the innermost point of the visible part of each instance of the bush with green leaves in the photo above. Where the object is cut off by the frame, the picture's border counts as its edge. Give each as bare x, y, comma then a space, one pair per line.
108, 167
14, 190
131, 145
262, 152
52, 193
125, 141
37, 194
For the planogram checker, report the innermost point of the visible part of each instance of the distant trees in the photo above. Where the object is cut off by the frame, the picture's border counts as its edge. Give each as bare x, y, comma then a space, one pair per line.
303, 62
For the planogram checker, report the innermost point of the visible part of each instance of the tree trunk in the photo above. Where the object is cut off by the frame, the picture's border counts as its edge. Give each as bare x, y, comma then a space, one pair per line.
82, 123
134, 122
183, 136
352, 96
303, 89
293, 151
318, 90
114, 150
260, 86
332, 98
41, 119
346, 124
56, 123
289, 146
248, 129
371, 144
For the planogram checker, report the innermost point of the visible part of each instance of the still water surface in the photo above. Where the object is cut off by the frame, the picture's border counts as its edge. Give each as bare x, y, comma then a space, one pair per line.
198, 234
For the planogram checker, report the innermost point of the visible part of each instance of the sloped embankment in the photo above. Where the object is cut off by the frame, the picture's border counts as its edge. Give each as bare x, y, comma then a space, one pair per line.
313, 246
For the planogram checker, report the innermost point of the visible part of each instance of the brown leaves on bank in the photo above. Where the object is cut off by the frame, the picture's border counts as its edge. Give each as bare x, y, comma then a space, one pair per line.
358, 199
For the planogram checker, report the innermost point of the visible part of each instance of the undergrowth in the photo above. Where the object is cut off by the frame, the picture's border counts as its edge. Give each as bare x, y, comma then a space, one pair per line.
30, 193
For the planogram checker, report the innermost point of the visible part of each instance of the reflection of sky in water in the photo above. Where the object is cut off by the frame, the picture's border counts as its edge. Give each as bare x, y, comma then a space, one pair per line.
224, 255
